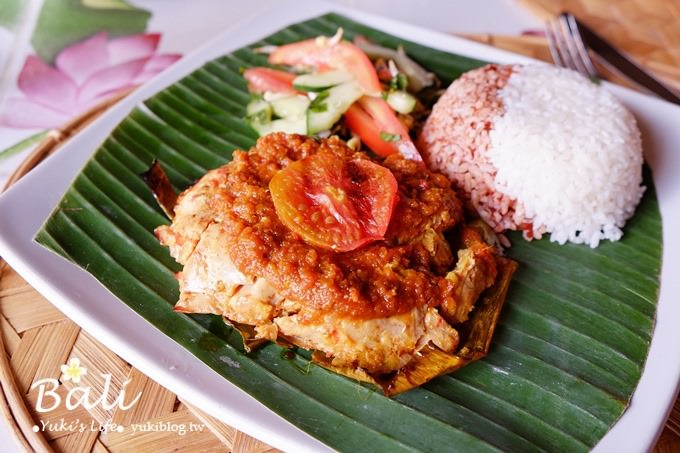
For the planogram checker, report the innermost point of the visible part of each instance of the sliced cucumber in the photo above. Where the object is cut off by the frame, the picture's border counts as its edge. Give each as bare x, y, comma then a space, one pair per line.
259, 110
328, 107
291, 107
401, 101
287, 125
320, 81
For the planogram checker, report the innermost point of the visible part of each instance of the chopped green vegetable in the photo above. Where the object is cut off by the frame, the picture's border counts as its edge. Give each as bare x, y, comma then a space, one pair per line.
320, 81
318, 104
399, 82
386, 136
287, 125
262, 117
401, 101
327, 108
290, 106
258, 111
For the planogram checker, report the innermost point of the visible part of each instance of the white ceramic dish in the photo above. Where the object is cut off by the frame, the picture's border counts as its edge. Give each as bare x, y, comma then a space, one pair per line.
24, 208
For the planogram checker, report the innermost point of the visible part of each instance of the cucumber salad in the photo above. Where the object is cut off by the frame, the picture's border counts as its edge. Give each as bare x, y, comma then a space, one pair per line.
367, 93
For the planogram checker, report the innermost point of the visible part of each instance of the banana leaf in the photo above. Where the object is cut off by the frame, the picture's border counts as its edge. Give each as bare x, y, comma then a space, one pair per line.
569, 347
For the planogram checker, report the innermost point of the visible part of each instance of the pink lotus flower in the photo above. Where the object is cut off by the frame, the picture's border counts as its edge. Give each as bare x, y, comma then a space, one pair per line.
84, 74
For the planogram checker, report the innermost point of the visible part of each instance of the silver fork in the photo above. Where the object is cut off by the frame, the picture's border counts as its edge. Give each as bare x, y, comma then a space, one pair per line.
566, 45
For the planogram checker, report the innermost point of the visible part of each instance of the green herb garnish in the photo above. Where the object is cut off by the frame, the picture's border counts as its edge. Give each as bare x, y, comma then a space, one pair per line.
387, 137
399, 82
319, 102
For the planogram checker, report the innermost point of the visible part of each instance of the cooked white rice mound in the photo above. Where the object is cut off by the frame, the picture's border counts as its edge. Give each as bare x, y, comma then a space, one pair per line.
539, 149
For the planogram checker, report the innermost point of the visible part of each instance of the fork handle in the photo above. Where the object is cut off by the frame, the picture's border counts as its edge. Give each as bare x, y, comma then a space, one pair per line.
624, 64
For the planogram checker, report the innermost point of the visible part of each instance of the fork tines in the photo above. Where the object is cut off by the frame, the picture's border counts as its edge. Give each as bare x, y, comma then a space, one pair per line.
566, 45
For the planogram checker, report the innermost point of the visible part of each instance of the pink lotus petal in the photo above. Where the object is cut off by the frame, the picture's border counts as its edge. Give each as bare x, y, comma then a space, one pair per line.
159, 62
111, 79
83, 59
102, 97
45, 85
156, 65
132, 47
23, 114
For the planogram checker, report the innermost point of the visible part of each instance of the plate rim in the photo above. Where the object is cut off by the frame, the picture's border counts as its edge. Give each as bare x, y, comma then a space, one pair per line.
263, 423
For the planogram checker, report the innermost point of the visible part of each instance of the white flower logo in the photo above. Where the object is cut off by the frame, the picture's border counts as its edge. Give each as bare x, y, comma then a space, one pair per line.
73, 371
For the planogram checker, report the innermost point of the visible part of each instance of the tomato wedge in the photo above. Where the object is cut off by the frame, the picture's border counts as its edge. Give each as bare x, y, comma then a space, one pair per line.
334, 203
267, 79
374, 121
322, 54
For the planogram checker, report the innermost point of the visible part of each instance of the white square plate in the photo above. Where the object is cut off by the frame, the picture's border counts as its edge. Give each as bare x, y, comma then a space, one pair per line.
25, 207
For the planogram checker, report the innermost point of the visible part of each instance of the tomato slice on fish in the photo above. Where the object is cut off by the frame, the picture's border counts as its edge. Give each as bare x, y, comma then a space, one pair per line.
334, 203
267, 79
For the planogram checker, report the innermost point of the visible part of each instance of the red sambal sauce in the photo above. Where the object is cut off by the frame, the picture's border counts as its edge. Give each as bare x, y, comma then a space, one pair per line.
384, 277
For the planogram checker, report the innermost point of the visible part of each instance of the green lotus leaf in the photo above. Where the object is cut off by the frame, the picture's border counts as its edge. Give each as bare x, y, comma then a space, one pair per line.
64, 22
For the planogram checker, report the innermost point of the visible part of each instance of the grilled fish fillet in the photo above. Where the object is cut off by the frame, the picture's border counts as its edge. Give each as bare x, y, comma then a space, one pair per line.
209, 283
230, 206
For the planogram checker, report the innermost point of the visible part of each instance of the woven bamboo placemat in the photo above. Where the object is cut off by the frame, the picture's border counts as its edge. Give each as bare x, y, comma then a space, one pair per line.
38, 339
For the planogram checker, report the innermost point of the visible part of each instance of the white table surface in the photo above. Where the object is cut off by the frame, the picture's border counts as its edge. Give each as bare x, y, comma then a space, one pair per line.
203, 19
